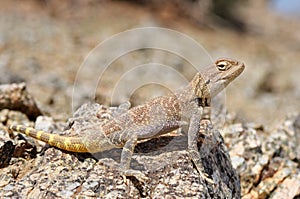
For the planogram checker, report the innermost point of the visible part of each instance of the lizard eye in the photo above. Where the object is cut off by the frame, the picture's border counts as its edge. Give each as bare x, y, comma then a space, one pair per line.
222, 66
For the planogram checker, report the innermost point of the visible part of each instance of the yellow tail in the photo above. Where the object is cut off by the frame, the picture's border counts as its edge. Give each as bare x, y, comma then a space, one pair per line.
66, 143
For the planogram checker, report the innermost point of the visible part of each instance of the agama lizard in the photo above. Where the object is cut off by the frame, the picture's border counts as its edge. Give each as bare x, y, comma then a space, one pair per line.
189, 105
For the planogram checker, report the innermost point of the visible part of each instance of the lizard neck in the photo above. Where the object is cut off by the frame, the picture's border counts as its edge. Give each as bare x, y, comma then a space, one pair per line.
199, 90
199, 86
191, 93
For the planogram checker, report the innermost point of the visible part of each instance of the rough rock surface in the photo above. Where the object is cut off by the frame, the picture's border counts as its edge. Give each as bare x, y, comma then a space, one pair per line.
16, 97
266, 161
60, 174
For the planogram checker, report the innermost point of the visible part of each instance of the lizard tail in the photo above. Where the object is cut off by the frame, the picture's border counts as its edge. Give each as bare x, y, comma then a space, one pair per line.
72, 144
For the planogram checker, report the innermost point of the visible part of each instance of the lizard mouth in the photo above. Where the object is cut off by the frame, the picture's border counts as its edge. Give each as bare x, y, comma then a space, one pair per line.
234, 73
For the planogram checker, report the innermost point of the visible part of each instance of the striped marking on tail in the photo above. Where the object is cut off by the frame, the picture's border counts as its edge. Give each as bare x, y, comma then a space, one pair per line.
72, 144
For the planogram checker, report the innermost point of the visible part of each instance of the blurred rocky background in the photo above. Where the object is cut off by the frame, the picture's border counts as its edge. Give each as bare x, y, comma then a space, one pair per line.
44, 43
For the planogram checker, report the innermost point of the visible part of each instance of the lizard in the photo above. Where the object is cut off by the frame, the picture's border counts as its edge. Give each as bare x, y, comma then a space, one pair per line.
189, 105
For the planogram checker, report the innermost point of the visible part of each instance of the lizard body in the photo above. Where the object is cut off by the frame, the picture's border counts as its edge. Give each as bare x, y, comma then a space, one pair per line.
158, 116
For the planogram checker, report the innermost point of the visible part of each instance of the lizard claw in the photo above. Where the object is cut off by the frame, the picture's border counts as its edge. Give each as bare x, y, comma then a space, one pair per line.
125, 180
135, 173
206, 178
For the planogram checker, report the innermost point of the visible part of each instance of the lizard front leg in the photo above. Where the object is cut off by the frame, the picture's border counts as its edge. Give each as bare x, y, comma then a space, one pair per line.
205, 121
126, 159
195, 128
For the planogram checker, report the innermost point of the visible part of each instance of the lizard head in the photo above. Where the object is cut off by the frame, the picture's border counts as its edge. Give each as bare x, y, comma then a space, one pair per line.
214, 78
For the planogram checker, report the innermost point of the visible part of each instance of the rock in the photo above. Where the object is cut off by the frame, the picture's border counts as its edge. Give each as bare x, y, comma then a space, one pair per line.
265, 161
164, 160
16, 97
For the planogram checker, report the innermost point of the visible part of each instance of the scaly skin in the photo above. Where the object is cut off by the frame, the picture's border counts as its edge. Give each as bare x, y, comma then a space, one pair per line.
189, 105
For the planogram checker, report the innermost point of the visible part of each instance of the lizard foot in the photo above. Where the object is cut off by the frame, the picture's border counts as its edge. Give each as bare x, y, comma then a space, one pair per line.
202, 174
205, 127
135, 173
206, 178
